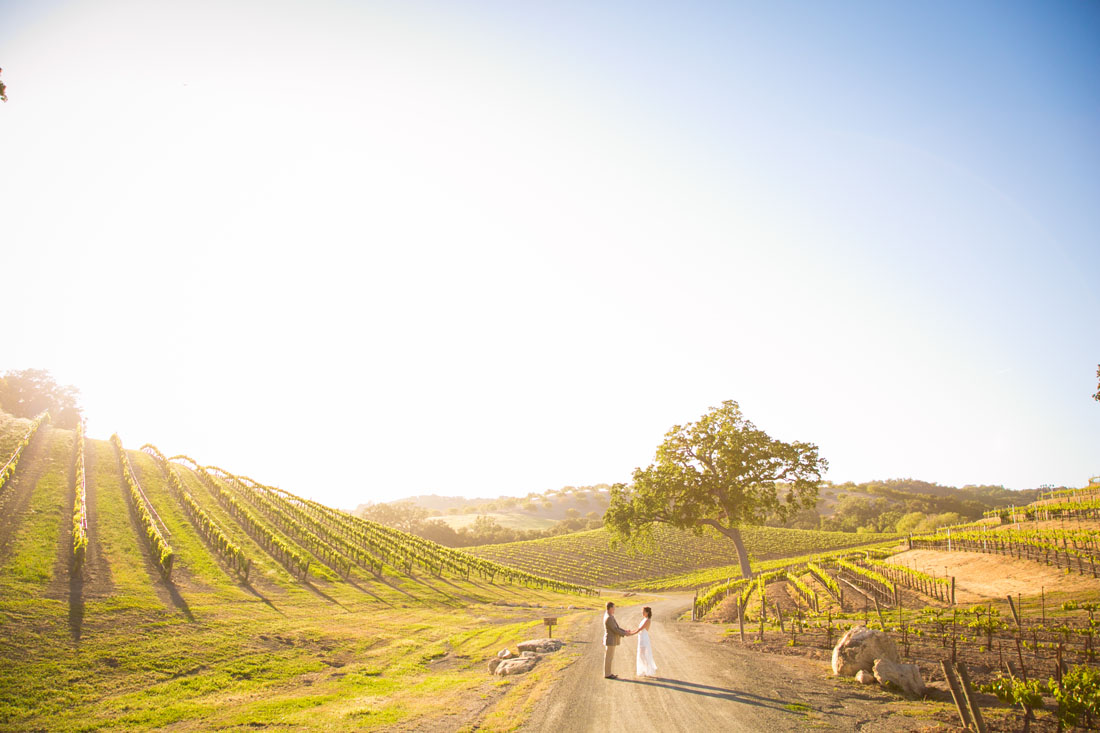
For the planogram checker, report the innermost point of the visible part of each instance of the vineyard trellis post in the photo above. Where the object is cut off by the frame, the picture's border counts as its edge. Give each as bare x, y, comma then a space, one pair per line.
971, 701
956, 695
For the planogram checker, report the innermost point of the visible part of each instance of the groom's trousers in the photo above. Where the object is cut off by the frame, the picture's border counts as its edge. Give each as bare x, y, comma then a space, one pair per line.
608, 655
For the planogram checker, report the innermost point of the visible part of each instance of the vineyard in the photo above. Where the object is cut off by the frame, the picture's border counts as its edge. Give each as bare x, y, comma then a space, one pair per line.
677, 559
129, 578
122, 572
1033, 651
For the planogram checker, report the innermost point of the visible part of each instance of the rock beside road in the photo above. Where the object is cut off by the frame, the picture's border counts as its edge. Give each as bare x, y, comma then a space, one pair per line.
903, 677
864, 677
530, 652
542, 646
519, 665
859, 648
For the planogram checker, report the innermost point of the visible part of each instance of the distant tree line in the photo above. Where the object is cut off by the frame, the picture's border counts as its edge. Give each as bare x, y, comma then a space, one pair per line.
904, 505
27, 392
484, 530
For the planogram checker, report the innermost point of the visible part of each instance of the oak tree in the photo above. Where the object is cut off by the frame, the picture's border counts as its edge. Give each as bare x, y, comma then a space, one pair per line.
721, 472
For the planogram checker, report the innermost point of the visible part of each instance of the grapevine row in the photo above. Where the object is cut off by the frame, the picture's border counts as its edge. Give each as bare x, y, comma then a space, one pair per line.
1051, 547
808, 594
410, 550
256, 528
161, 550
9, 468
867, 573
931, 585
825, 579
202, 521
80, 503
287, 523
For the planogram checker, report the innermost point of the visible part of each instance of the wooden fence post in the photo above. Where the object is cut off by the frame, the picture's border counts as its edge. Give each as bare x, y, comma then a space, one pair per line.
968, 693
956, 694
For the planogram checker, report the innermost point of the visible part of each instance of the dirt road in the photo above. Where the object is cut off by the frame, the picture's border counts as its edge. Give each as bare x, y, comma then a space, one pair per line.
704, 684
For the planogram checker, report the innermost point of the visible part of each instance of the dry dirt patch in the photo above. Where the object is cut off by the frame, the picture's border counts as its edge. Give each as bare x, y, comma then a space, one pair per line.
979, 577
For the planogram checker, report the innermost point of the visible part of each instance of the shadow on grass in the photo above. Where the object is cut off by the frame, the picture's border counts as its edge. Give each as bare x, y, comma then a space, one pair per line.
369, 592
177, 600
76, 603
322, 594
251, 589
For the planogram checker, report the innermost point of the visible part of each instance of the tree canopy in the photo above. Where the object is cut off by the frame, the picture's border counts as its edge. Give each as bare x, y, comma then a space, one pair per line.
28, 392
720, 471
1097, 395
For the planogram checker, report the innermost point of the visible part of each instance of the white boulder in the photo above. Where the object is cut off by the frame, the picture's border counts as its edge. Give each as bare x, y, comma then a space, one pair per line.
515, 666
901, 677
542, 646
859, 648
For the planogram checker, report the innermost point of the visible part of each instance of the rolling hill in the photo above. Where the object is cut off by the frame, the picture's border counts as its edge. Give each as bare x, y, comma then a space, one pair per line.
203, 599
588, 557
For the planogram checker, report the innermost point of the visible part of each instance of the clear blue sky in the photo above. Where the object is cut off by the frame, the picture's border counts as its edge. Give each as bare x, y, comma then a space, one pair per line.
366, 250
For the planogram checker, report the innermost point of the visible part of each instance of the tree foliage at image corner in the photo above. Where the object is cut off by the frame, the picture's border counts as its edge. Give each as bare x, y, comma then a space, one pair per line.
27, 392
720, 471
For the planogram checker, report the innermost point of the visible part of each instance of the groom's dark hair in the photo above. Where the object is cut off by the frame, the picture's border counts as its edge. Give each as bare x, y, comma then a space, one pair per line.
610, 605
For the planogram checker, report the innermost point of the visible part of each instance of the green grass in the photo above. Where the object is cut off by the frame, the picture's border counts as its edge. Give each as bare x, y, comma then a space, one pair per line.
678, 559
34, 554
12, 430
119, 541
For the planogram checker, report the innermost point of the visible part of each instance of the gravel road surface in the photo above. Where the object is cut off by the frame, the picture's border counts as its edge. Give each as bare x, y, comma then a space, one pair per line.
704, 684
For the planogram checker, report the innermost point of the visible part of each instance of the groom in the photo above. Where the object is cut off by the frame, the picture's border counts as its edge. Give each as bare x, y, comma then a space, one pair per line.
612, 636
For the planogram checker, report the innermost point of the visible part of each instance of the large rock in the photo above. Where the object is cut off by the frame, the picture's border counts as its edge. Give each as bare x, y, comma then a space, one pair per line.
493, 664
903, 677
542, 646
515, 666
505, 654
859, 648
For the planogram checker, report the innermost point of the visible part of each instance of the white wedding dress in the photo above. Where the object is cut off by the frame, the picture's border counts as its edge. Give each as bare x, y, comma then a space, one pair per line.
645, 667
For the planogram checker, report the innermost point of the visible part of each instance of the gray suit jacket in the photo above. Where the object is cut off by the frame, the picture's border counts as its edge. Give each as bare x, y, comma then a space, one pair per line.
612, 633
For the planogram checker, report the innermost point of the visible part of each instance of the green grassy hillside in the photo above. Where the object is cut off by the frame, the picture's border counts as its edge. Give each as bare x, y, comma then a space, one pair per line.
398, 636
589, 558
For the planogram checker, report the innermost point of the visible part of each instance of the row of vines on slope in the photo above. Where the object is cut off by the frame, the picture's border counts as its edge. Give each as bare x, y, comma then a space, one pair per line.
80, 502
9, 468
206, 526
162, 552
292, 524
1076, 549
258, 529
341, 540
401, 549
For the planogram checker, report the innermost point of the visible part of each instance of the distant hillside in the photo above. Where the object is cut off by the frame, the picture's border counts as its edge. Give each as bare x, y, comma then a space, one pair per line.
587, 557
894, 505
459, 522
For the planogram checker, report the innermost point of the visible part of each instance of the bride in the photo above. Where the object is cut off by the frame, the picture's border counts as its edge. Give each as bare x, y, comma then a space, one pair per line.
645, 667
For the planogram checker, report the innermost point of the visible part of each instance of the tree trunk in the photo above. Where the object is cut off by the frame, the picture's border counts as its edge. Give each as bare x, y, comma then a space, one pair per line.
734, 534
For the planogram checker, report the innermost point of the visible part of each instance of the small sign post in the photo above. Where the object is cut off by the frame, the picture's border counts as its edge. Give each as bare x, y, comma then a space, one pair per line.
550, 623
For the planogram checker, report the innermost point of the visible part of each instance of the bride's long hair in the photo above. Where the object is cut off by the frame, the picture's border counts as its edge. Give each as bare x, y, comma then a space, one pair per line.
647, 612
